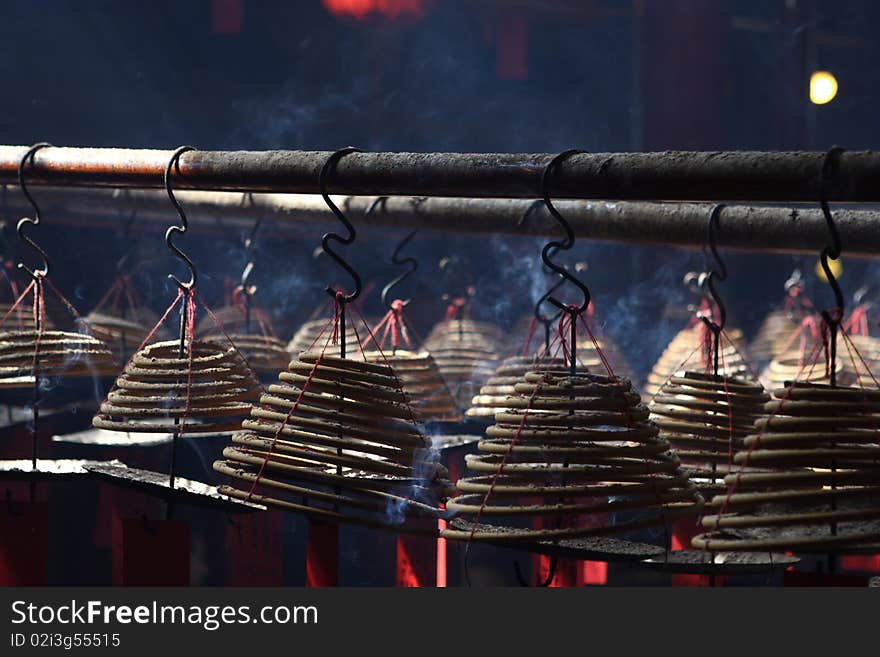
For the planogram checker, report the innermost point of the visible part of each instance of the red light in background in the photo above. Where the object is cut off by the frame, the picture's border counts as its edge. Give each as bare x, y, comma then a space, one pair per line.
512, 48
227, 16
362, 9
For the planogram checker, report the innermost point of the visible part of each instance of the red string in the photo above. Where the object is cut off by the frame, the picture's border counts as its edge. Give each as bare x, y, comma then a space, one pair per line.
39, 313
107, 294
456, 307
562, 332
814, 356
219, 326
150, 335
727, 342
796, 297
533, 325
190, 338
7, 266
397, 382
64, 300
287, 417
857, 323
605, 362
504, 459
393, 324
17, 302
337, 317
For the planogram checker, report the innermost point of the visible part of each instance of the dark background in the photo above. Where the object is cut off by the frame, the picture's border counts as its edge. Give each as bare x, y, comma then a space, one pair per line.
437, 75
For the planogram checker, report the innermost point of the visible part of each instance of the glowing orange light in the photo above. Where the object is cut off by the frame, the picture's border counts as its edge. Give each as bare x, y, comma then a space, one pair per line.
361, 9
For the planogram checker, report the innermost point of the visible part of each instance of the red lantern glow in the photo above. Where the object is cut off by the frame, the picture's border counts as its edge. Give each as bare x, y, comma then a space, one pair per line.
362, 9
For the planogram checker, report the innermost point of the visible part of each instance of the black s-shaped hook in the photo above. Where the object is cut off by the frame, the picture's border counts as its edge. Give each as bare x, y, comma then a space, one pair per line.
249, 253
834, 249
174, 163
25, 221
551, 247
352, 233
718, 272
412, 263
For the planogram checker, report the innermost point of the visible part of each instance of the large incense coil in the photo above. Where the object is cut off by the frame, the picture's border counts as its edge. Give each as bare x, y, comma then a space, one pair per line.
687, 351
229, 318
705, 419
264, 354
21, 318
233, 319
123, 334
568, 447
819, 488
501, 386
51, 353
427, 392
466, 352
859, 357
315, 334
335, 438
588, 355
773, 336
211, 388
793, 365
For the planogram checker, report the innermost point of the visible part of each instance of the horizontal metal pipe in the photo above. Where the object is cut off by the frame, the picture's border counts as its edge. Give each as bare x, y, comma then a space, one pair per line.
748, 228
670, 175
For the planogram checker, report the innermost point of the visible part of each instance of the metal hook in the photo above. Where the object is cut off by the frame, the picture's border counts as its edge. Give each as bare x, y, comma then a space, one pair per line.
551, 573
541, 317
834, 249
397, 260
537, 203
567, 243
249, 251
795, 281
862, 293
24, 221
695, 282
718, 272
379, 200
352, 233
174, 163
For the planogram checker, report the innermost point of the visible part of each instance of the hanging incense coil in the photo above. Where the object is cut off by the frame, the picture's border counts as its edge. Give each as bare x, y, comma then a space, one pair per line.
51, 353
705, 419
773, 336
263, 353
821, 492
230, 318
859, 358
688, 351
794, 365
568, 447
316, 334
21, 319
588, 355
501, 386
123, 334
151, 393
420, 378
334, 438
466, 353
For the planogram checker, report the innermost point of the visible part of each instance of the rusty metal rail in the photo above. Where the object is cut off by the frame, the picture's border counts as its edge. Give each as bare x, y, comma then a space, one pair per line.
742, 227
672, 175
